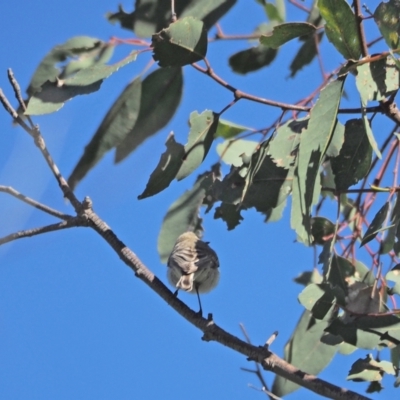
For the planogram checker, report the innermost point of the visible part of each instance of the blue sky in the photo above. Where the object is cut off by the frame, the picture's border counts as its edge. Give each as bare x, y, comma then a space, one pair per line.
75, 323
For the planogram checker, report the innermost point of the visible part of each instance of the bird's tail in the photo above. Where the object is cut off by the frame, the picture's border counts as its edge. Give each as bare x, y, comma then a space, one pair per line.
185, 282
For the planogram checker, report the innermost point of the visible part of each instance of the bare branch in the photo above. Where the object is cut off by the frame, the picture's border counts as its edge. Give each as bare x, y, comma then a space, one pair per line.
73, 222
40, 143
271, 339
34, 203
360, 26
239, 94
17, 92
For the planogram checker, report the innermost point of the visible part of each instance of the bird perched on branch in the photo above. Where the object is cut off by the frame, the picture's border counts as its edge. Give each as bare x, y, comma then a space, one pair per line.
193, 265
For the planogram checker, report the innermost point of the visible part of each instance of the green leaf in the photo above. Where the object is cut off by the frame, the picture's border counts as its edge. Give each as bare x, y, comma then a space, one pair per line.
361, 299
321, 229
53, 95
387, 18
363, 273
274, 214
346, 348
267, 185
367, 332
270, 173
395, 356
393, 233
229, 213
394, 276
256, 57
252, 59
370, 134
305, 351
166, 169
209, 11
165, 85
183, 42
337, 140
201, 136
339, 272
369, 370
151, 16
375, 225
48, 69
308, 50
117, 123
85, 60
308, 277
313, 146
127, 20
232, 151
341, 27
275, 12
285, 32
375, 81
228, 129
182, 216
354, 160
283, 148
306, 54
231, 188
319, 299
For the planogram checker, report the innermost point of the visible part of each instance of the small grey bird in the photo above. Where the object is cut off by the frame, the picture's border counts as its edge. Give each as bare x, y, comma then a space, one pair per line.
193, 265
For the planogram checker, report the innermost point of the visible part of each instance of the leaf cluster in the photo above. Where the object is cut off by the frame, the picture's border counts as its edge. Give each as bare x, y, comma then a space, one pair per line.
313, 155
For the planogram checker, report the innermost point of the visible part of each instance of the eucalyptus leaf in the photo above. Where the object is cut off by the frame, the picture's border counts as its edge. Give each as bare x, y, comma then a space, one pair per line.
166, 169
285, 32
161, 95
305, 351
376, 224
118, 122
183, 42
355, 157
53, 95
202, 129
341, 27
313, 146
387, 17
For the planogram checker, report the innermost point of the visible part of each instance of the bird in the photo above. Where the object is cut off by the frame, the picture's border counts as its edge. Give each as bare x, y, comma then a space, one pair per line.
193, 266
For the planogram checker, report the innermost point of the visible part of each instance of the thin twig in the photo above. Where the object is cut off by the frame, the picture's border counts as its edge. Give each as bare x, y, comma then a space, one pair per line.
271, 339
360, 26
9, 108
40, 143
173, 13
11, 191
73, 222
18, 93
239, 94
371, 190
212, 332
257, 371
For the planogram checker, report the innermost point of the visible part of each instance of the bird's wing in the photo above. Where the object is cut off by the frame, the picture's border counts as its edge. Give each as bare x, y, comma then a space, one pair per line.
206, 256
184, 259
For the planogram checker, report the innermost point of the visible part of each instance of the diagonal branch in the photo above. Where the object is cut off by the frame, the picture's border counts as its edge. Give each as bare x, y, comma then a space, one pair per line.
70, 223
39, 141
212, 332
239, 94
42, 207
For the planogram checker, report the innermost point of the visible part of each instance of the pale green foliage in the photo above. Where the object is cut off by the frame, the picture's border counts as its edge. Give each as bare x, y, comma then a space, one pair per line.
314, 157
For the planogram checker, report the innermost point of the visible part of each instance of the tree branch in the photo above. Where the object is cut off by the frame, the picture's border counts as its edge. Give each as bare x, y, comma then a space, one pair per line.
42, 207
360, 26
73, 222
239, 94
212, 332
